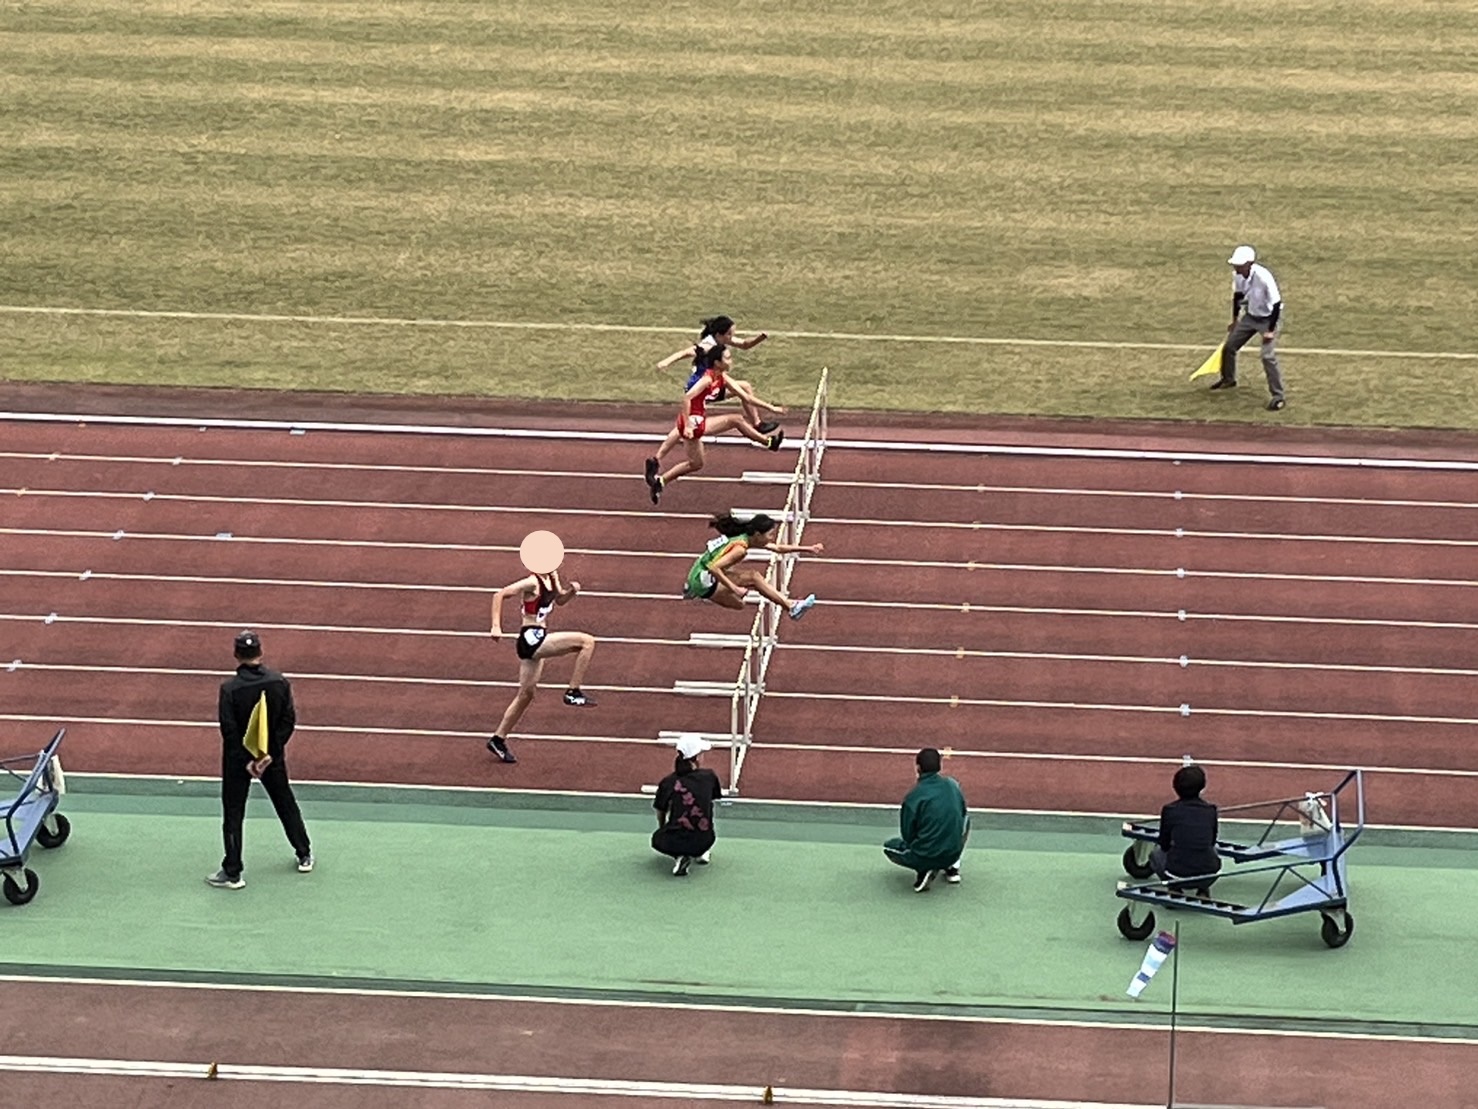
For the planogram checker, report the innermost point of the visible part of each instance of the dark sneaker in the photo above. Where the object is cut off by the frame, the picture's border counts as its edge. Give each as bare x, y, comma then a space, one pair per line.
1223, 383
651, 471
952, 875
704, 859
305, 863
680, 868
775, 440
924, 881
223, 881
498, 747
768, 426
1276, 405
578, 699
656, 488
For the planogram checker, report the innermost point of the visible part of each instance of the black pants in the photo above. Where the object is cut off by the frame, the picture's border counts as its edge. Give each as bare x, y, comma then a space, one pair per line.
676, 842
235, 785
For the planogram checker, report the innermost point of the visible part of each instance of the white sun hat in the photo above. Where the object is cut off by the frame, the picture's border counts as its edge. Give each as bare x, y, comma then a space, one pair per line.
1241, 256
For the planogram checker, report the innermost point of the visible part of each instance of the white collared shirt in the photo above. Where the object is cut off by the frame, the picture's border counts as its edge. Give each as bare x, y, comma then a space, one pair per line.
1259, 290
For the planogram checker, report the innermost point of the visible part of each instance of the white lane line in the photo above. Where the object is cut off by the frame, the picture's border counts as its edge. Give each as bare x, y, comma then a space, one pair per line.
389, 993
952, 702
759, 745
816, 521
661, 329
689, 1092
959, 653
964, 607
1441, 465
476, 471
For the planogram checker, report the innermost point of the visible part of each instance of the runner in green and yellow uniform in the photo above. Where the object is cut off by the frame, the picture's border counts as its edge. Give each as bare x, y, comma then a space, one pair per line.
715, 576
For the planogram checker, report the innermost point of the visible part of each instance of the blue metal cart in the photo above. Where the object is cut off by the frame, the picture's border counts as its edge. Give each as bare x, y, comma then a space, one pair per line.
1307, 870
31, 817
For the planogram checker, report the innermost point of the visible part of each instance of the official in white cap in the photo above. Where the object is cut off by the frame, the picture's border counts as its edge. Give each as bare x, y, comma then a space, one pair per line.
1256, 290
684, 807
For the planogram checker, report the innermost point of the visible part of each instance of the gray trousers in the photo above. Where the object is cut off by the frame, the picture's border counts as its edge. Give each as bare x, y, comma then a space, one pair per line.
1245, 328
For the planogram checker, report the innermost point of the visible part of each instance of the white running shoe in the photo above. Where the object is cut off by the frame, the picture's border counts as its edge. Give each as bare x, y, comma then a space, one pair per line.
703, 859
800, 608
305, 863
223, 881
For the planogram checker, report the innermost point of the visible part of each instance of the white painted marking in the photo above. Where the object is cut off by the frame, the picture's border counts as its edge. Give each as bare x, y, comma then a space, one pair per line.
883, 446
15, 664
118, 534
1150, 1024
775, 745
839, 602
660, 329
717, 640
747, 513
778, 477
726, 688
689, 1092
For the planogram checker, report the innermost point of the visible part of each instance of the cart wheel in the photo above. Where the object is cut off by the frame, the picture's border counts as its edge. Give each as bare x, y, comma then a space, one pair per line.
1329, 930
1133, 867
1131, 931
54, 839
20, 895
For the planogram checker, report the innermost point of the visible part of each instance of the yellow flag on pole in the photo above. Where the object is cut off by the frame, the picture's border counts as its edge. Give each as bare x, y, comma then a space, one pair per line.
1212, 365
255, 740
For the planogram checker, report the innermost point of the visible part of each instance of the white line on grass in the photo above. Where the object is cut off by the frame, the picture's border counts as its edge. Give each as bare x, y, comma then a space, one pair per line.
650, 329
958, 653
952, 702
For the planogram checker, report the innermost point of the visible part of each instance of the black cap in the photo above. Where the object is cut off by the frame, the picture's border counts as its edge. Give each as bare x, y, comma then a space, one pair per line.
248, 645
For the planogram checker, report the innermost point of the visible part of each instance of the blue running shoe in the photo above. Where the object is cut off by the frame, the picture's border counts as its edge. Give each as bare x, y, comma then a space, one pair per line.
800, 608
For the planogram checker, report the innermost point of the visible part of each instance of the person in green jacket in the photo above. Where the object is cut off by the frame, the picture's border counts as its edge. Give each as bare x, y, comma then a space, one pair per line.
935, 825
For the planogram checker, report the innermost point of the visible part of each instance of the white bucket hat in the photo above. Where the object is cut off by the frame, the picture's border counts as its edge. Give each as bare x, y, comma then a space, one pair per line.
690, 746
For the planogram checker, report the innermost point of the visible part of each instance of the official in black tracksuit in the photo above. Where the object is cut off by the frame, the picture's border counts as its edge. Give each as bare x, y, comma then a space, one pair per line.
239, 695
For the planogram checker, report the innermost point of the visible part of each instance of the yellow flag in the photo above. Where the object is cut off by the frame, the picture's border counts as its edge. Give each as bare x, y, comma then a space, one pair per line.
255, 740
1212, 365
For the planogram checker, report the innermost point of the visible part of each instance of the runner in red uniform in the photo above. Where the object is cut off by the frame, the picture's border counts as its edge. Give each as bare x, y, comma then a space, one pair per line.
693, 422
540, 592
715, 345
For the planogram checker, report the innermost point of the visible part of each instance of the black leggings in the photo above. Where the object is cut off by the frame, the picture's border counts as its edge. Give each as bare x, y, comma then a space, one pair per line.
236, 785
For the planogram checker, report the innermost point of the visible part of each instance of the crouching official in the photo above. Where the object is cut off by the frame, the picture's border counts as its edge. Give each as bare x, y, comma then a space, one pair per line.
934, 825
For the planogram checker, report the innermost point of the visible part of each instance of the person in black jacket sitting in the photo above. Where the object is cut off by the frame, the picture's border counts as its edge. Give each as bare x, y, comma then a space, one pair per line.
1188, 829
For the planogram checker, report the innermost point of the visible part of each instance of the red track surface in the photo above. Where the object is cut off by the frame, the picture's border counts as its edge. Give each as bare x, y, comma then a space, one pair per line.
430, 550
964, 1059
429, 553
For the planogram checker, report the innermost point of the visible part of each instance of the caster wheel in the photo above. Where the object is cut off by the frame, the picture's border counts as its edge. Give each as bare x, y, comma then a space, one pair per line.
1133, 867
17, 894
49, 839
1131, 931
1329, 931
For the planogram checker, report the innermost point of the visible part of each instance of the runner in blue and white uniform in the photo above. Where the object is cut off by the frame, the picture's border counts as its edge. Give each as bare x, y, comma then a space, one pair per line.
715, 342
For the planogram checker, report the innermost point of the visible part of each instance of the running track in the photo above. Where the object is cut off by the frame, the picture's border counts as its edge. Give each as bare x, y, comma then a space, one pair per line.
1028, 614
1013, 610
